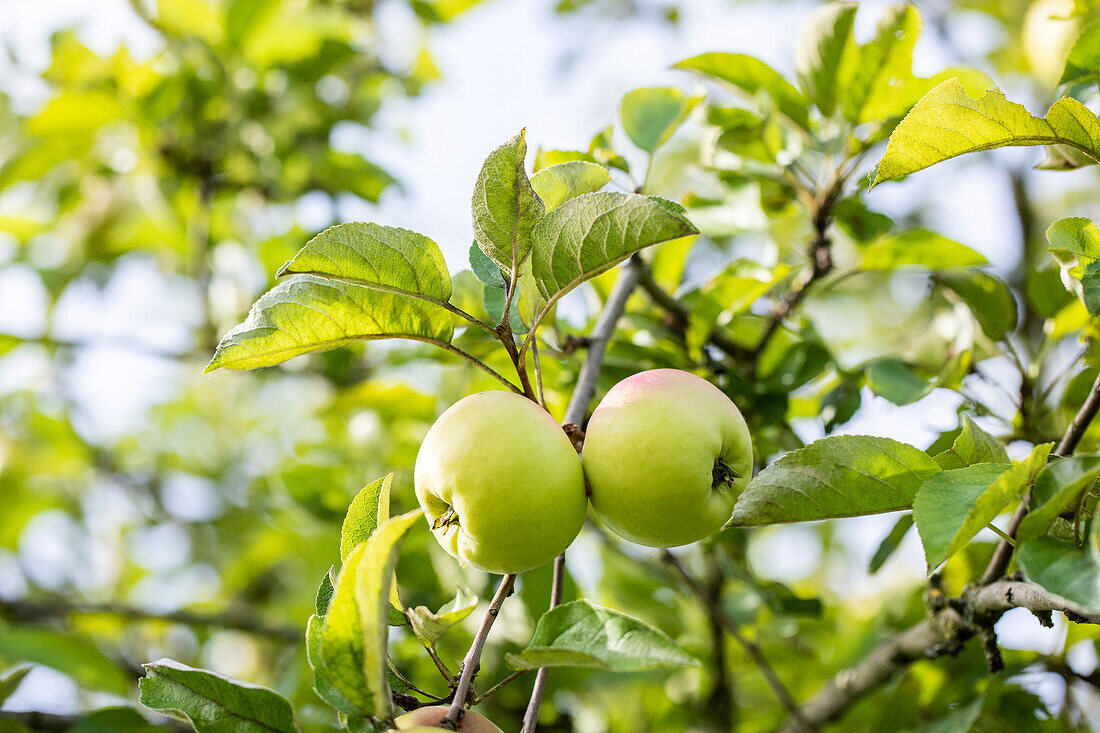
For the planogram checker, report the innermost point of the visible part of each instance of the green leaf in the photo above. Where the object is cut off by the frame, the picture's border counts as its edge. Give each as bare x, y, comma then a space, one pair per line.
1064, 569
919, 248
213, 703
558, 183
991, 502
1083, 62
114, 720
890, 543
322, 683
651, 115
494, 302
1076, 235
820, 50
752, 76
578, 634
596, 231
70, 654
429, 626
484, 269
838, 476
376, 256
973, 445
505, 206
990, 300
9, 683
947, 510
243, 17
355, 633
1057, 489
1075, 244
947, 123
325, 591
896, 381
859, 222
878, 68
959, 720
308, 313
369, 508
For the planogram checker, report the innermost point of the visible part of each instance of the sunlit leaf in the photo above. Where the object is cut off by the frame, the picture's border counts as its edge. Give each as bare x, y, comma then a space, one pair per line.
752, 76
369, 508
919, 248
578, 634
651, 115
376, 256
594, 232
973, 445
505, 206
213, 703
429, 626
819, 51
879, 67
1083, 62
947, 123
308, 313
839, 476
355, 633
557, 184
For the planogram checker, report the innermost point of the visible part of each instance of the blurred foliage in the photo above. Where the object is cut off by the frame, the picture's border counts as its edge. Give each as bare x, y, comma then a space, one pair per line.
201, 531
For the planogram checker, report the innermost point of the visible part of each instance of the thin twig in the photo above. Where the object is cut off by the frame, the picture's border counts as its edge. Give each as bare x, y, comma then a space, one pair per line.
538, 373
510, 678
821, 259
473, 360
531, 714
472, 663
680, 315
751, 648
36, 611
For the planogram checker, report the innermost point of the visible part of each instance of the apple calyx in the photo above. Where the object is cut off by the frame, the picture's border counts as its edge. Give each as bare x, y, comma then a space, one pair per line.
723, 475
446, 519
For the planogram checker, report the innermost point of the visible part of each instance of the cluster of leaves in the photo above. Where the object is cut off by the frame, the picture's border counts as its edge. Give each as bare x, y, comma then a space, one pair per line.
796, 297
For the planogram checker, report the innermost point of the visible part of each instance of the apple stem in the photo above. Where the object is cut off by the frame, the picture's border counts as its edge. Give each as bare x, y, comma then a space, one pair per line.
472, 663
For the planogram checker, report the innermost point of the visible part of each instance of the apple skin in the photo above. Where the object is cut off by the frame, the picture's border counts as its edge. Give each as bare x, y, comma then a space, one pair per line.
428, 718
512, 478
650, 454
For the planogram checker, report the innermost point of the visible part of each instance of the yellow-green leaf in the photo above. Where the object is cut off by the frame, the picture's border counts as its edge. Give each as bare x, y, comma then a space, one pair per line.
355, 634
309, 313
947, 122
376, 256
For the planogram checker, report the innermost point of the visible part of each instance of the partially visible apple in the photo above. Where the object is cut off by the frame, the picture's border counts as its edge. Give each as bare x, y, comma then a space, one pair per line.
666, 455
428, 718
500, 483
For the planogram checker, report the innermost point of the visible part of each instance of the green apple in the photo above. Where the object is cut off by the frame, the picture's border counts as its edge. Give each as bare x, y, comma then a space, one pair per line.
666, 455
500, 483
428, 719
